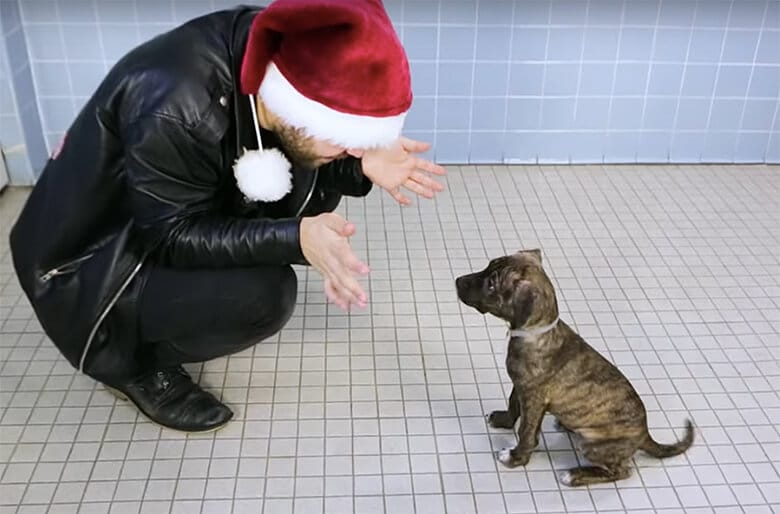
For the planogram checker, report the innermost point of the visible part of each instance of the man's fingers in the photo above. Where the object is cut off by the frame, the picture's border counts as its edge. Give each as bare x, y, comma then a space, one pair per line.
355, 265
353, 289
343, 297
349, 289
344, 279
426, 181
400, 197
430, 167
348, 229
418, 188
333, 295
341, 226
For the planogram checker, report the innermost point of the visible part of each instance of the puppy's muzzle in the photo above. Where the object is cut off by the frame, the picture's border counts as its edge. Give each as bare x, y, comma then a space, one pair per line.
469, 288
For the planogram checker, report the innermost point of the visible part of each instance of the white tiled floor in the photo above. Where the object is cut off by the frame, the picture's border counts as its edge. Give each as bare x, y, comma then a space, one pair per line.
673, 272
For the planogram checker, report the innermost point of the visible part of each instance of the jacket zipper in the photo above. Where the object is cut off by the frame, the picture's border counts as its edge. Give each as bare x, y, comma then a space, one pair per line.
105, 313
127, 281
311, 192
65, 268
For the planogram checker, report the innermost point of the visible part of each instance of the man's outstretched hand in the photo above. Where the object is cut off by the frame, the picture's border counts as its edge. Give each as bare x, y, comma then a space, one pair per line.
325, 238
325, 245
397, 166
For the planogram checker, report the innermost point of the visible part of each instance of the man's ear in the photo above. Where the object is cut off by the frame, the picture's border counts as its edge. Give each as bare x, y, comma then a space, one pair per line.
523, 302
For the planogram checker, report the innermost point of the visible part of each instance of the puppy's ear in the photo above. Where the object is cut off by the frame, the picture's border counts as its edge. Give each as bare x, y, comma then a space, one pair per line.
523, 302
535, 254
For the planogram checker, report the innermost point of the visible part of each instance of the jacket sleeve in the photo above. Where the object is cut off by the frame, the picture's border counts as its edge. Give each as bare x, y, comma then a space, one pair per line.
174, 182
345, 176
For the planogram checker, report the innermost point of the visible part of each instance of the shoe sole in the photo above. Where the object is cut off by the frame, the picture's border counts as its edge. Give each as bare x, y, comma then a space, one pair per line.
122, 396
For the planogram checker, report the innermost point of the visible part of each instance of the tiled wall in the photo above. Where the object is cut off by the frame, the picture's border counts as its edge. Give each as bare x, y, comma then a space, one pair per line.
21, 136
507, 80
11, 139
598, 80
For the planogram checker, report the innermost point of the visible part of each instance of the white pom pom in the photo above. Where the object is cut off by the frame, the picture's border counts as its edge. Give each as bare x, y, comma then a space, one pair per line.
263, 176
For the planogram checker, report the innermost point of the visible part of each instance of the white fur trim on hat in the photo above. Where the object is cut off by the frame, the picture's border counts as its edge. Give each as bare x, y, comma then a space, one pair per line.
263, 175
322, 122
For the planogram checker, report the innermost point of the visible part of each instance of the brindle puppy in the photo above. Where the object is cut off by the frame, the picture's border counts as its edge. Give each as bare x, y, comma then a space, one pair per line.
554, 370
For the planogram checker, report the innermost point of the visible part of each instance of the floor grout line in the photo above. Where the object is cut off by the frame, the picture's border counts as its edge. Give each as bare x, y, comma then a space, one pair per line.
671, 271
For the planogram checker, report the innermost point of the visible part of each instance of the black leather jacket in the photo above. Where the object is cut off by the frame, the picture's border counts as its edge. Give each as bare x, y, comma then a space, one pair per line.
145, 175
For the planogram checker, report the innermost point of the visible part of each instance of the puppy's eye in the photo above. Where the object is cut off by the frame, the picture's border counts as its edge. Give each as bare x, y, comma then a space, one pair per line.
491, 285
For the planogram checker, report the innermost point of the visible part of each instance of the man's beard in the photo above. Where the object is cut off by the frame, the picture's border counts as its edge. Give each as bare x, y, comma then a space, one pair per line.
297, 146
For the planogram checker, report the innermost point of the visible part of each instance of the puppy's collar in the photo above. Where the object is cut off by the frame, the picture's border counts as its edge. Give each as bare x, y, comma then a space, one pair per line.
534, 331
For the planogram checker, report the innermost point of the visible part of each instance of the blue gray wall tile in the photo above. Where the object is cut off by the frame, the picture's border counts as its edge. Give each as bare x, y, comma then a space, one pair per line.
495, 81
21, 136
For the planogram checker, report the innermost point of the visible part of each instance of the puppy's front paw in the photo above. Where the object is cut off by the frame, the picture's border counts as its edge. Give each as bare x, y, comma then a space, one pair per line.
500, 419
506, 457
566, 478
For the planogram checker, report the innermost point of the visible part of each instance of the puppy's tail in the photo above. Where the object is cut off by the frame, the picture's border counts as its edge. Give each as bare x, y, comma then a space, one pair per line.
662, 451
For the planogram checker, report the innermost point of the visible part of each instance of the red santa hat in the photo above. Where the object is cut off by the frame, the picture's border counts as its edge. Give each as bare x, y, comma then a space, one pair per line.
334, 68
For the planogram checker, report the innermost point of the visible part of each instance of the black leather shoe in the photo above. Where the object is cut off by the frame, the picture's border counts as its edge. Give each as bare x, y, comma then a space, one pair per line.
172, 400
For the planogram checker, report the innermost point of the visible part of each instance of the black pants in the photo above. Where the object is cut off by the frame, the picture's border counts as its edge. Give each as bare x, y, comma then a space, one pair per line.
198, 315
